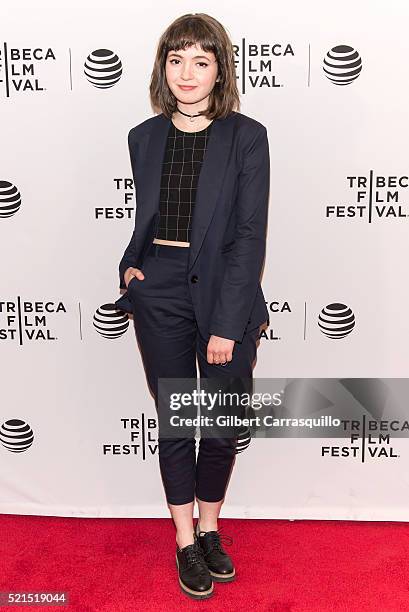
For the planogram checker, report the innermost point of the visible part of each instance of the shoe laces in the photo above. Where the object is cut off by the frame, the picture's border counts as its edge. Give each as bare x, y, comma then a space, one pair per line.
215, 540
194, 554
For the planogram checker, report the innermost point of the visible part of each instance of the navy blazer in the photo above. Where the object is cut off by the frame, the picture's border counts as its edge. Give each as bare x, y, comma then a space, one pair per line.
227, 245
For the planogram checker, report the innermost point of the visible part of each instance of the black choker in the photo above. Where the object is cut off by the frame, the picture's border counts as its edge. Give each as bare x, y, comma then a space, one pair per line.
191, 117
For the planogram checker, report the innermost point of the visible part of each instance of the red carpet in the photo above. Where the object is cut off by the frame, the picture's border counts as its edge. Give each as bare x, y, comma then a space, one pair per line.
126, 565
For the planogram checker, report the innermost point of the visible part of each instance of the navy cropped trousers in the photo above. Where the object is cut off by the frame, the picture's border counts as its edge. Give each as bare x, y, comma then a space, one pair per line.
170, 341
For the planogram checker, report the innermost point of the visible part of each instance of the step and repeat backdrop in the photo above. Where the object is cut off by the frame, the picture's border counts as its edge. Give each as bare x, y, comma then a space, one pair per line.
78, 427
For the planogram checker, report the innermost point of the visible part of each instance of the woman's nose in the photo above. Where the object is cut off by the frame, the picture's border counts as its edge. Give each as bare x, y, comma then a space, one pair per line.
187, 71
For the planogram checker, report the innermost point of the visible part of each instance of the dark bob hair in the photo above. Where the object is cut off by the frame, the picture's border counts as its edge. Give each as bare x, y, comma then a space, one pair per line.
203, 30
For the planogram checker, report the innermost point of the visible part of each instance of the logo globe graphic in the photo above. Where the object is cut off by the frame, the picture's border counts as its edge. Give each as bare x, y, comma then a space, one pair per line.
336, 321
10, 199
103, 68
342, 65
110, 322
16, 435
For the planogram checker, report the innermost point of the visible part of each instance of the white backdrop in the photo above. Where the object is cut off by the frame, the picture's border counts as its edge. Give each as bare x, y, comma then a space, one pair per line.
69, 390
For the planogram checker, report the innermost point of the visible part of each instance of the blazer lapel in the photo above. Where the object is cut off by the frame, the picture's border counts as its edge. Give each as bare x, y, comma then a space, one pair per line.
210, 178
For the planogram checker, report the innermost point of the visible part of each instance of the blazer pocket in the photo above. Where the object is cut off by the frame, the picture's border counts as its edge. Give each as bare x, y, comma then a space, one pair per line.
124, 303
133, 278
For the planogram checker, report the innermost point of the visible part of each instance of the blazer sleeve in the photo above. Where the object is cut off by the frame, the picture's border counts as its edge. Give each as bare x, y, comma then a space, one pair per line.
242, 274
129, 257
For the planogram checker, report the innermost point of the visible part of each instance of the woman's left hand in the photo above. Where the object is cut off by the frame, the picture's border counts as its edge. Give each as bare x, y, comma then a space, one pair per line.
219, 350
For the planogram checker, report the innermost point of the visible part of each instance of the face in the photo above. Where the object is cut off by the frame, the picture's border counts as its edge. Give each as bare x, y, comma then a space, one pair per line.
191, 74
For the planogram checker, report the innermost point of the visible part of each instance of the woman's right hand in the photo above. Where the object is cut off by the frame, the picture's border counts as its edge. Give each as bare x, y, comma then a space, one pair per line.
130, 272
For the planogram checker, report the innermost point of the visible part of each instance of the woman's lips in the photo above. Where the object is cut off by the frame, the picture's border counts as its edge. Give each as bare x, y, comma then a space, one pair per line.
186, 87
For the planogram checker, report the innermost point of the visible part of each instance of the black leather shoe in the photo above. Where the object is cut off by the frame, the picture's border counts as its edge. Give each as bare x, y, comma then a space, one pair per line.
194, 576
220, 565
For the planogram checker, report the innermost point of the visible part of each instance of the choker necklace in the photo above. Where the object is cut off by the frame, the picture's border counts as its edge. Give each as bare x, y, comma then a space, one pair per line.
191, 117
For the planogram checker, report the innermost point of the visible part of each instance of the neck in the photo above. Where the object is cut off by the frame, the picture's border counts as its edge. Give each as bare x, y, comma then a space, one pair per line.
187, 124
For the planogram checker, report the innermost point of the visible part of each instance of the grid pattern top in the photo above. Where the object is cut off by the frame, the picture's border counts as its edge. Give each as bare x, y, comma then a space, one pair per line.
181, 167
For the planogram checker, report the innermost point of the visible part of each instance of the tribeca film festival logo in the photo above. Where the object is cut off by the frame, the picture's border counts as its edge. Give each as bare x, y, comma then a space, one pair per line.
22, 72
19, 68
258, 64
371, 198
142, 438
374, 410
27, 321
369, 439
124, 191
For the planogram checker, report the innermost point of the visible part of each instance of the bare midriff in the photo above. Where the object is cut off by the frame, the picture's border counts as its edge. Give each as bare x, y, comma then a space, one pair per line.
171, 242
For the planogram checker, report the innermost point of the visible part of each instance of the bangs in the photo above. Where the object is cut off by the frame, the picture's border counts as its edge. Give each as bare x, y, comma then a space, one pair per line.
188, 33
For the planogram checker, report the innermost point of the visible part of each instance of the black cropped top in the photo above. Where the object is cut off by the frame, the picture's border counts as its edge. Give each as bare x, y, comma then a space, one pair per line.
181, 167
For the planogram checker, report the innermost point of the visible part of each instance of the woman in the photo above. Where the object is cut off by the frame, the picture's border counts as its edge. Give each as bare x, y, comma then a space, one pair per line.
191, 269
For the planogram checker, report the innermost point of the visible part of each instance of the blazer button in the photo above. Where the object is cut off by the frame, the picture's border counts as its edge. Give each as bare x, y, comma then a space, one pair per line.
194, 278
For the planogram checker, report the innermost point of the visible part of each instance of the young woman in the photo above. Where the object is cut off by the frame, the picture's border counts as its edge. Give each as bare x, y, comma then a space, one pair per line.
191, 269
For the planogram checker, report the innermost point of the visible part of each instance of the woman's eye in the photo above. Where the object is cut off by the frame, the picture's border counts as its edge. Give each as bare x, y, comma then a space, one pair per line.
199, 63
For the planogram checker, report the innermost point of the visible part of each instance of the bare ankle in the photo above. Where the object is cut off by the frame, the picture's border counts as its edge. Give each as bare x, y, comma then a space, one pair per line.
206, 526
184, 539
